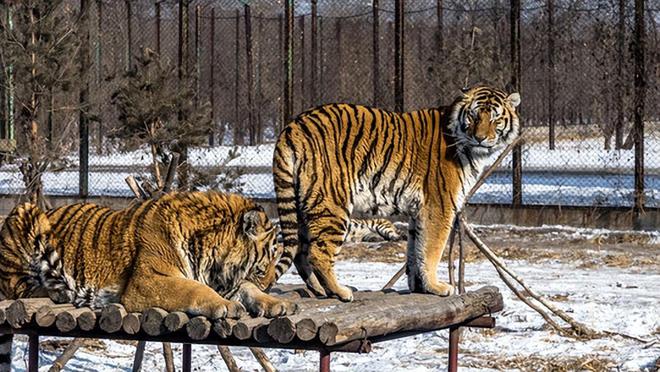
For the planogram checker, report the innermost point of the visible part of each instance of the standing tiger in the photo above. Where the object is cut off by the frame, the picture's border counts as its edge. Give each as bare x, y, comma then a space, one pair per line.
204, 253
339, 158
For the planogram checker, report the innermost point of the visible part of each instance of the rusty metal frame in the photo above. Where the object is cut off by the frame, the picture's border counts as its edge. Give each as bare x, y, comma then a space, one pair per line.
357, 346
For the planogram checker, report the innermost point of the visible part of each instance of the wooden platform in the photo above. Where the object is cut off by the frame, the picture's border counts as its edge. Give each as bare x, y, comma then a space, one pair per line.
321, 324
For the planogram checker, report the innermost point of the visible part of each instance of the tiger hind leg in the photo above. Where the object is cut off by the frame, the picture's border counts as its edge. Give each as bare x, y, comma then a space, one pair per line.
326, 234
306, 272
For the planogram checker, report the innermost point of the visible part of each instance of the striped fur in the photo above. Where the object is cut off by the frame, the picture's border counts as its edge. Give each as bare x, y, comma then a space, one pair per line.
340, 158
204, 253
91, 255
373, 229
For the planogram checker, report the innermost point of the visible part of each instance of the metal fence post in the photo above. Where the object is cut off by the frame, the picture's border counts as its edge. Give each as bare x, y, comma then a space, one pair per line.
440, 15
398, 55
238, 119
9, 126
314, 57
321, 63
339, 58
129, 35
620, 88
639, 46
282, 71
250, 73
182, 69
259, 98
98, 53
301, 25
551, 75
83, 101
198, 54
516, 86
212, 79
376, 53
158, 27
288, 62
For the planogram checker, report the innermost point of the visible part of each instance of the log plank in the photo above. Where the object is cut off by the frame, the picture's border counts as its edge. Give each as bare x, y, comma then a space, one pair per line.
87, 319
152, 321
67, 321
224, 327
4, 304
131, 323
198, 328
112, 318
313, 312
46, 315
396, 315
175, 321
22, 311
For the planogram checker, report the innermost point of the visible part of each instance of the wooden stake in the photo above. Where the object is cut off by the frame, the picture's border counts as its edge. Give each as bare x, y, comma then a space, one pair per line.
228, 358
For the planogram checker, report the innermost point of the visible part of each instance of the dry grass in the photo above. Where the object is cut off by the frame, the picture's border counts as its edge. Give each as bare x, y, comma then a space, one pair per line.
536, 363
616, 250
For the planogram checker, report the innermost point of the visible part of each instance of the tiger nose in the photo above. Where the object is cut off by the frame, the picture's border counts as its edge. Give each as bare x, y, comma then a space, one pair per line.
480, 138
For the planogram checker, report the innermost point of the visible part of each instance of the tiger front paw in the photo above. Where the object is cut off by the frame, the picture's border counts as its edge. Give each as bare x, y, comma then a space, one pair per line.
439, 289
272, 309
229, 309
344, 293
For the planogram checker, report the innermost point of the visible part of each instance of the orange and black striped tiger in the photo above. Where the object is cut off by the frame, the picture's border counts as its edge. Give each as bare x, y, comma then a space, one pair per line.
339, 158
186, 251
204, 253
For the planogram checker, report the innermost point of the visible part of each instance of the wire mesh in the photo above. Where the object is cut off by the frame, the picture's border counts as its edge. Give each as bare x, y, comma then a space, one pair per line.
577, 85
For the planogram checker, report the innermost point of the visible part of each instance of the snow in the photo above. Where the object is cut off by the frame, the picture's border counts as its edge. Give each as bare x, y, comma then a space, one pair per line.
577, 172
621, 300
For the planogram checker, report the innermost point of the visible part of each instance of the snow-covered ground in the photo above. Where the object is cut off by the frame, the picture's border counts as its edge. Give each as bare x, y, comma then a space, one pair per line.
624, 300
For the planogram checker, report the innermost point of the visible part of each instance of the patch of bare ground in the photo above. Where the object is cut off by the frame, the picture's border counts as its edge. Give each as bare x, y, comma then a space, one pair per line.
59, 345
585, 248
542, 364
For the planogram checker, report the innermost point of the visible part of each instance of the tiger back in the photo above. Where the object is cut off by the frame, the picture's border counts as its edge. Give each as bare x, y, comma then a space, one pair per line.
337, 159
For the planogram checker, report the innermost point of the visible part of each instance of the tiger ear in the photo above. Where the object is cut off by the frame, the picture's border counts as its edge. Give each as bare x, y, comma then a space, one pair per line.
465, 90
255, 224
514, 99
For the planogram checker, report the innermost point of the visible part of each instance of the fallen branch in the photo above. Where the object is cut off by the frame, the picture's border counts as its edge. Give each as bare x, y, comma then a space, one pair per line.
226, 355
68, 353
262, 358
580, 329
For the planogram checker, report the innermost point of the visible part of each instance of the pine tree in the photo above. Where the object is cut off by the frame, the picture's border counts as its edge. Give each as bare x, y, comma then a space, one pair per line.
38, 46
158, 110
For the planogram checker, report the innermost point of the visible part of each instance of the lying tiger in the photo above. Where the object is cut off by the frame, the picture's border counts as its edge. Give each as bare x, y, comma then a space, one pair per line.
203, 253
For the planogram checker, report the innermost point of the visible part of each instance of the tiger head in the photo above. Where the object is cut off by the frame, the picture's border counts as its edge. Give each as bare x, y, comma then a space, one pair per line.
262, 236
484, 119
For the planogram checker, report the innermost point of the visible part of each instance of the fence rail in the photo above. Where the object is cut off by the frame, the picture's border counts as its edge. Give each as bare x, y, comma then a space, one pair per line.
587, 71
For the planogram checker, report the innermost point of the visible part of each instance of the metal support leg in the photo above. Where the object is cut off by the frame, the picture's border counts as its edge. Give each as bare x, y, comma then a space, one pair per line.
325, 361
454, 335
139, 356
33, 353
187, 358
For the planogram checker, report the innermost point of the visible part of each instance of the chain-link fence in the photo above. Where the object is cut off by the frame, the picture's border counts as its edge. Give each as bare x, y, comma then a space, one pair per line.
578, 59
